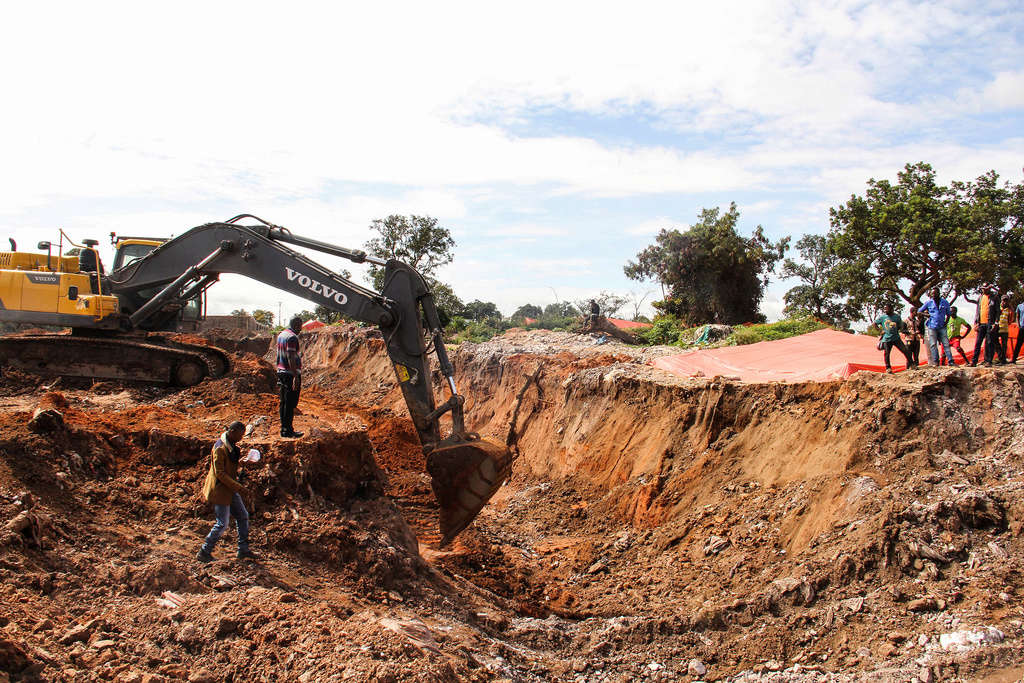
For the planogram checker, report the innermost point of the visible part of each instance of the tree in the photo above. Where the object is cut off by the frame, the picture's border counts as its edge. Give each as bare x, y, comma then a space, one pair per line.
263, 317
482, 310
448, 304
710, 273
416, 240
608, 302
527, 311
636, 300
815, 295
900, 240
328, 315
560, 309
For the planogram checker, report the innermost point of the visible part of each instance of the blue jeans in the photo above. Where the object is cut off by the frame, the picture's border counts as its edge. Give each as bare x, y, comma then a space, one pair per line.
935, 337
224, 513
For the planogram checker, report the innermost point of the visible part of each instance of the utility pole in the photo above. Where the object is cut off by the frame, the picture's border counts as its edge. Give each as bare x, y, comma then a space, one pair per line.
279, 323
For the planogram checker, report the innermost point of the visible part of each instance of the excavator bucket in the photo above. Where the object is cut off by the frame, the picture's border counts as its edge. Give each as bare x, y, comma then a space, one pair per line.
464, 476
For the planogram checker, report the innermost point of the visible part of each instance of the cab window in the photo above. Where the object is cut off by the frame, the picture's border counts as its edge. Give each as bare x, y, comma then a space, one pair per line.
193, 310
131, 252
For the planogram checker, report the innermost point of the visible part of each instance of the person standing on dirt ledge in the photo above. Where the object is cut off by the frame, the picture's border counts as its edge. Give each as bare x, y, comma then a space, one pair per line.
937, 311
892, 325
223, 489
986, 325
289, 375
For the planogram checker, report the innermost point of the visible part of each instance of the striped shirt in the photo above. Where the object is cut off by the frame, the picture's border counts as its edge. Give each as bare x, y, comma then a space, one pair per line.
287, 341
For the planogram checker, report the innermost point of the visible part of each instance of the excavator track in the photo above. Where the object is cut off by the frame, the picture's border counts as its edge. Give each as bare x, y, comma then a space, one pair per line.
110, 359
217, 360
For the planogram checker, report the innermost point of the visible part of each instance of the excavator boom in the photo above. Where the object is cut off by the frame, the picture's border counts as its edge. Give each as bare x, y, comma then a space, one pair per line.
465, 470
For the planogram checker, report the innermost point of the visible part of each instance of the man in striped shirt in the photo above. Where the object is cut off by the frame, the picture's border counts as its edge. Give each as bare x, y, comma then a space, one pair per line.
289, 375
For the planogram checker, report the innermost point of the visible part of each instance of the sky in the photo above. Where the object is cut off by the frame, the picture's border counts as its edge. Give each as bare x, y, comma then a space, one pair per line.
553, 140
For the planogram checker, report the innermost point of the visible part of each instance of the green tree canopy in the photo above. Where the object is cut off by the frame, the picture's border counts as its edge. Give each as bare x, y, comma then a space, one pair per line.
814, 295
416, 240
710, 273
609, 302
900, 240
481, 310
528, 311
448, 304
263, 317
560, 309
327, 315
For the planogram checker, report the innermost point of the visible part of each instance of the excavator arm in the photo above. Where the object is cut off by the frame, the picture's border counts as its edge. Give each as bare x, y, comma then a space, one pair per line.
465, 470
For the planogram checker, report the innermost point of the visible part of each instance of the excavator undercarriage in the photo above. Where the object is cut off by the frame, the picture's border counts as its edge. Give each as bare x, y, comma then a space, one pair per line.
152, 359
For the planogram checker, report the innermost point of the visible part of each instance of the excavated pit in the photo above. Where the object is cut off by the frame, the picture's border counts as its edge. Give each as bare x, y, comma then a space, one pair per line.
654, 527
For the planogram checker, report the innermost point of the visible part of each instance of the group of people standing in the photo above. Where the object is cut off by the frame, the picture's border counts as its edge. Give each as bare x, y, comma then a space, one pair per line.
942, 329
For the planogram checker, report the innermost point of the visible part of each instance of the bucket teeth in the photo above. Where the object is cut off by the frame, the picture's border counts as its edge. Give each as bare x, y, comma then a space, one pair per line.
464, 476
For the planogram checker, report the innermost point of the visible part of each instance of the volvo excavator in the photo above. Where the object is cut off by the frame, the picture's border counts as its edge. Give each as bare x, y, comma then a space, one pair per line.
114, 320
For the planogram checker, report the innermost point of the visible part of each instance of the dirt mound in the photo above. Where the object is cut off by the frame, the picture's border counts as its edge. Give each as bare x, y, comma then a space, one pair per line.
654, 528
603, 328
238, 341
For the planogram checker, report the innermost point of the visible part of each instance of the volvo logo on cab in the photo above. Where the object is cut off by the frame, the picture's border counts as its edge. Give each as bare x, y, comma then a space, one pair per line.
316, 287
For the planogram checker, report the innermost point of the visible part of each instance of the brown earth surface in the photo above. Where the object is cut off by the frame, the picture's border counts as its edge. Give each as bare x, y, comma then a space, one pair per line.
654, 528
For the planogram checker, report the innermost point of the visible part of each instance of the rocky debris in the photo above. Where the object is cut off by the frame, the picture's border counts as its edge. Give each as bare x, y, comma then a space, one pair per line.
13, 657
27, 527
46, 420
696, 668
76, 634
47, 416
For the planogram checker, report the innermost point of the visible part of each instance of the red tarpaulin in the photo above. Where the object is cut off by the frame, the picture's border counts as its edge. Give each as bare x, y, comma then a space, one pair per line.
313, 325
627, 324
818, 356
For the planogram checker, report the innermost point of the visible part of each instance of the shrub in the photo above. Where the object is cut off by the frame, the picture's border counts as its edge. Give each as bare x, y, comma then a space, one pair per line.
771, 331
664, 330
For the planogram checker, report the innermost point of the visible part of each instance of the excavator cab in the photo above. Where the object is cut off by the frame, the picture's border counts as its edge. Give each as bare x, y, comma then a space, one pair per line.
129, 250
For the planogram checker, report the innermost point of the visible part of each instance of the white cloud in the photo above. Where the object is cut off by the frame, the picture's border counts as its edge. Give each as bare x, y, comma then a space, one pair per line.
652, 226
323, 117
1006, 91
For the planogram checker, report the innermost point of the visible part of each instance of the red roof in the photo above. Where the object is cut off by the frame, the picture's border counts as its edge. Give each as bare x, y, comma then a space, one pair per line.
627, 324
313, 325
529, 321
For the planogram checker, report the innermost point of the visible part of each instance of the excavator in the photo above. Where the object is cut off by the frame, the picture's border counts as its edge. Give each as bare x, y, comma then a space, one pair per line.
116, 321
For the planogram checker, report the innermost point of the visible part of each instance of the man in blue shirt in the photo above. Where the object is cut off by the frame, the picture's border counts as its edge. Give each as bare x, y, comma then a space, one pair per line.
1020, 337
937, 311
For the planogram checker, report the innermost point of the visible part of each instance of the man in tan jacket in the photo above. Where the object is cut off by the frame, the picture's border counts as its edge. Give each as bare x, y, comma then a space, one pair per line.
223, 489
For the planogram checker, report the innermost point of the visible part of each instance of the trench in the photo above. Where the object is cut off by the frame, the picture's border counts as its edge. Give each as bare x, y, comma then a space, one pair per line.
648, 521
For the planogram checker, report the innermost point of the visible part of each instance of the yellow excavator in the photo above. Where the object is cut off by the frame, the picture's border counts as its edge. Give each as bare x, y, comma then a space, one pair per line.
119, 322
73, 291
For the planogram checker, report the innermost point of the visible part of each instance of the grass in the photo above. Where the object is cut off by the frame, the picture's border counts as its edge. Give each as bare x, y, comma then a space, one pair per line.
773, 331
667, 330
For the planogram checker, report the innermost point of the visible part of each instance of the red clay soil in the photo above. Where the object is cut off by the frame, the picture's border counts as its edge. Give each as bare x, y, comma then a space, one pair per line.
654, 528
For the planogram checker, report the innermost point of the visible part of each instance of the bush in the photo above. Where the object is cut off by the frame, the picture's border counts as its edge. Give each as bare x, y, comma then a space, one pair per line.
553, 323
664, 330
667, 329
773, 331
